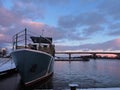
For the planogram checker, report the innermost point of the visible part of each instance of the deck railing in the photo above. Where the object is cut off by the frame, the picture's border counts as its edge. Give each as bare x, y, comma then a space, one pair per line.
21, 39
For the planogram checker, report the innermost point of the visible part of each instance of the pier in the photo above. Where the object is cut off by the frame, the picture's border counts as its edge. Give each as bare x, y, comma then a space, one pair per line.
93, 53
7, 66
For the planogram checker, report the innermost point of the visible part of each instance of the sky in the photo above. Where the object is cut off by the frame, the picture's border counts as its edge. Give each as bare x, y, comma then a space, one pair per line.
74, 25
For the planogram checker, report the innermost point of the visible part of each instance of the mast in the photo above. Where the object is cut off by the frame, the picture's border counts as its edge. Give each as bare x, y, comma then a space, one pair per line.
25, 38
16, 41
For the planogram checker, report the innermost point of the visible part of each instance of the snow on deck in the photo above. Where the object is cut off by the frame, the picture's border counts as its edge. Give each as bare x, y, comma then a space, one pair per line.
6, 64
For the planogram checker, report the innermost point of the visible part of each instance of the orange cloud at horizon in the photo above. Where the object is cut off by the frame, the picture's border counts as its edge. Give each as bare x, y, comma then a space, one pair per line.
108, 55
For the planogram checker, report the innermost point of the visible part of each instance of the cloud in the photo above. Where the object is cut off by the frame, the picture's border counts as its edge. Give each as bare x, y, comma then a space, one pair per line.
7, 17
110, 8
114, 26
85, 19
35, 9
40, 2
32, 24
4, 38
6, 45
74, 35
68, 21
1, 36
87, 1
23, 14
115, 33
11, 23
91, 22
1, 3
108, 45
92, 30
72, 27
57, 2
43, 29
28, 9
105, 18
114, 29
51, 31
111, 45
93, 18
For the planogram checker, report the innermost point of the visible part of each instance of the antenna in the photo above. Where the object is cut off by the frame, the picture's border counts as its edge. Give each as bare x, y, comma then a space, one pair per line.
42, 31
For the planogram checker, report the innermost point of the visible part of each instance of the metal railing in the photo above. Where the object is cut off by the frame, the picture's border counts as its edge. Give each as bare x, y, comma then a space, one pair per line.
22, 39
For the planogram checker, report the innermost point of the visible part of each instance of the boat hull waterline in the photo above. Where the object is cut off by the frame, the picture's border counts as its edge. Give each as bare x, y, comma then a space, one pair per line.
33, 65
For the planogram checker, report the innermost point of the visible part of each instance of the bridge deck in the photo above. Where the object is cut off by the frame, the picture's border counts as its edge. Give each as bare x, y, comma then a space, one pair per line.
88, 52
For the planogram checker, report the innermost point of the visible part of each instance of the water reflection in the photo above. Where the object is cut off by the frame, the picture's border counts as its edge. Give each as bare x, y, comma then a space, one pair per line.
95, 73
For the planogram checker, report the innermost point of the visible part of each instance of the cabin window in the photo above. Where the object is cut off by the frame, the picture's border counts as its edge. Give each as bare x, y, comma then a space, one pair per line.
45, 46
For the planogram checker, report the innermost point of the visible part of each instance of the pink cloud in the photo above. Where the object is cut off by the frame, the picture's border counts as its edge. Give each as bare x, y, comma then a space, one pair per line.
7, 18
1, 36
111, 45
117, 42
33, 25
4, 38
40, 28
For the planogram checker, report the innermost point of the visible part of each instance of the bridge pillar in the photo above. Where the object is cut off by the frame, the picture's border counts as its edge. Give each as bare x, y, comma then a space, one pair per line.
118, 56
69, 56
94, 55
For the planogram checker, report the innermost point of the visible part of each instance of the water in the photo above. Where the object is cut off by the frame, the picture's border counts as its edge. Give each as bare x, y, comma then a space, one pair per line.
87, 74
100, 73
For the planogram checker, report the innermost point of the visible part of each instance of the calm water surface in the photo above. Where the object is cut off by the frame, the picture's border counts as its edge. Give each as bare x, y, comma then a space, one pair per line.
87, 74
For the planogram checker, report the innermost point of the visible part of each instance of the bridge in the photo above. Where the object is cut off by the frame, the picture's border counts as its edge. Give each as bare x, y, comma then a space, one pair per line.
89, 52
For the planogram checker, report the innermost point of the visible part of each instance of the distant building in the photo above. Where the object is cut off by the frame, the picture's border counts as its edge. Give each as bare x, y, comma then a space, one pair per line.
3, 52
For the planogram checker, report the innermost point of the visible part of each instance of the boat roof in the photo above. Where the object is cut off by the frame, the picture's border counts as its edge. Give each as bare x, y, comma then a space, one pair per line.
47, 40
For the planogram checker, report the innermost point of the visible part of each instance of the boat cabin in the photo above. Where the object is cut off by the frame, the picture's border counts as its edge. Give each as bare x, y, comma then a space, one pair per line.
38, 43
42, 44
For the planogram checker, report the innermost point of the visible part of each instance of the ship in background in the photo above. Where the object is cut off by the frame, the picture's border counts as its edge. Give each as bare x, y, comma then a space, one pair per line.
34, 61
